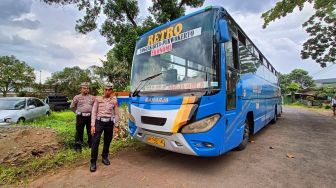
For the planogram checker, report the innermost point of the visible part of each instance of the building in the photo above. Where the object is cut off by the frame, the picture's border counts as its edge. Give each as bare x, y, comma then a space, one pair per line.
325, 82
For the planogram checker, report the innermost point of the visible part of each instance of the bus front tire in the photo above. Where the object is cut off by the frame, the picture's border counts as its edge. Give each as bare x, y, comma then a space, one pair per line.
246, 135
275, 117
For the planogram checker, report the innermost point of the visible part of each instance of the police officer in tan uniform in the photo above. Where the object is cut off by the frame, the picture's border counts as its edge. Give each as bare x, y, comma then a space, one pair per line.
82, 106
105, 118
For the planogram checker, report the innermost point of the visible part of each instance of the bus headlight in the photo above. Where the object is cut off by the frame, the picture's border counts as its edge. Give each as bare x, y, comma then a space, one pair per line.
201, 125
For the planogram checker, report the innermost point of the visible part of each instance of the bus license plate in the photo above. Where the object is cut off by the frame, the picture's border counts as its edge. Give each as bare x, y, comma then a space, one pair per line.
156, 141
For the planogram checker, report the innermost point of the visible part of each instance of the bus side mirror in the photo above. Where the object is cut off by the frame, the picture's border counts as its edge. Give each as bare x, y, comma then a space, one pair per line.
223, 31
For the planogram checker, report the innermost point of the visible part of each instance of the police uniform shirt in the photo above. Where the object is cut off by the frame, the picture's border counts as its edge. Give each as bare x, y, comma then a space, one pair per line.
82, 103
105, 107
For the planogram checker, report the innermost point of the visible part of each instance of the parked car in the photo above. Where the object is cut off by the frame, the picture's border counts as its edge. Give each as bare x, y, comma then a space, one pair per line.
58, 102
20, 109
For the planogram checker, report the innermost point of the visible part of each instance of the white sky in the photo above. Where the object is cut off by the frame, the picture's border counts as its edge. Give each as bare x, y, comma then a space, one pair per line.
44, 35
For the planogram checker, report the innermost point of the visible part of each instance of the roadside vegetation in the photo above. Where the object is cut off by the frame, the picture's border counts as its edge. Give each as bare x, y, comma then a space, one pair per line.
64, 125
323, 109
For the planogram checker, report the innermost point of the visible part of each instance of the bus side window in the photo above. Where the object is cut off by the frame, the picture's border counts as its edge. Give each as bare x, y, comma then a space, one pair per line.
235, 53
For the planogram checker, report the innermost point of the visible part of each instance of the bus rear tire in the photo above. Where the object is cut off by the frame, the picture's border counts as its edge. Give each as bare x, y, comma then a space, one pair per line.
246, 135
275, 117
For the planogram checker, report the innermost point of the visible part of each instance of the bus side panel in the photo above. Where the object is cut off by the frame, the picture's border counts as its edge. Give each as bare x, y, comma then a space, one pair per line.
234, 132
209, 105
196, 141
261, 105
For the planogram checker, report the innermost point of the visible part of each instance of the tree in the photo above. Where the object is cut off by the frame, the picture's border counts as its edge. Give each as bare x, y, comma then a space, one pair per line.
321, 27
14, 74
122, 25
302, 78
293, 87
284, 80
325, 92
97, 80
117, 72
68, 80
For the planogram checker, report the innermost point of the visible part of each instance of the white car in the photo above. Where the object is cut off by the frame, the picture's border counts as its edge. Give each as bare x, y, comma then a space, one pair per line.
20, 109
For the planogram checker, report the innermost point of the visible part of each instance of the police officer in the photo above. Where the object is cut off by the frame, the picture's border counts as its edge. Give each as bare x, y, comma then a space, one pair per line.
82, 106
105, 118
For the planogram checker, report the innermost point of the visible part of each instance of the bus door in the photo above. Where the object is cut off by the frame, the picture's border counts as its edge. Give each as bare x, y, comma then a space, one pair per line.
232, 101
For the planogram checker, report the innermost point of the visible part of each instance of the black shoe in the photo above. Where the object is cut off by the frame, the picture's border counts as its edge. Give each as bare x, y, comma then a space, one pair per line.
93, 167
106, 161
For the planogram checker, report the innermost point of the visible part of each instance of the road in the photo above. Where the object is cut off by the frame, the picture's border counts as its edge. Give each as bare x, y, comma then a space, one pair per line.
304, 135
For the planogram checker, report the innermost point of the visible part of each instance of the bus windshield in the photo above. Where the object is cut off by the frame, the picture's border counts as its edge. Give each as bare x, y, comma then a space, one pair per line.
182, 52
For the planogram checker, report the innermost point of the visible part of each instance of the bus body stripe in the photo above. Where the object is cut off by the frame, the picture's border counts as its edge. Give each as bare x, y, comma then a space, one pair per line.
184, 113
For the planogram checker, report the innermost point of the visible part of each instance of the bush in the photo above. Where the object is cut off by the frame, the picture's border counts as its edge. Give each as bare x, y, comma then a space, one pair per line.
327, 107
310, 98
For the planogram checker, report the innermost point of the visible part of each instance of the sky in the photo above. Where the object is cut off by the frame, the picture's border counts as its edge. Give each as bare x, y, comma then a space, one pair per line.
44, 36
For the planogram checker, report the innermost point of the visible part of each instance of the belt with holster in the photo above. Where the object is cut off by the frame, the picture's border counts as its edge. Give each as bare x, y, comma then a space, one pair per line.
83, 114
106, 119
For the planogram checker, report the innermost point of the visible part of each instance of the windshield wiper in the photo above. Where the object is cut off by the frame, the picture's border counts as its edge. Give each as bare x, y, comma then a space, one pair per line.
137, 90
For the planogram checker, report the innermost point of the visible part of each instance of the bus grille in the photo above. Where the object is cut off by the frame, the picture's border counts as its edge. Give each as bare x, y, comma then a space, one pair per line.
153, 120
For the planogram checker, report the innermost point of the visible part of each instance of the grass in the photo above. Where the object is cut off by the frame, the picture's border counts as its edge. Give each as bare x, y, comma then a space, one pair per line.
64, 124
39, 166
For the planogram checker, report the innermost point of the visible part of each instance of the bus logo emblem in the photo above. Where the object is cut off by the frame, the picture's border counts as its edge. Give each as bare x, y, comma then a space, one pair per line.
156, 99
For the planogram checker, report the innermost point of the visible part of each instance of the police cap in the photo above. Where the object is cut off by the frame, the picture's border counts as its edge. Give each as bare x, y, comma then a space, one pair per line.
84, 84
108, 85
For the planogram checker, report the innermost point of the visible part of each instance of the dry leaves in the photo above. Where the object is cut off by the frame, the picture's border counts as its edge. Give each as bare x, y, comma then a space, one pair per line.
290, 156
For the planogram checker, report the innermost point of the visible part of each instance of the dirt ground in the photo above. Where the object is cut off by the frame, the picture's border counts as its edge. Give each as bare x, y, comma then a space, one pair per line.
20, 144
298, 151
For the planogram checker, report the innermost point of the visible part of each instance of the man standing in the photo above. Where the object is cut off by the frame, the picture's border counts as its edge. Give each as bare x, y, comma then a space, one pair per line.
82, 106
105, 116
333, 105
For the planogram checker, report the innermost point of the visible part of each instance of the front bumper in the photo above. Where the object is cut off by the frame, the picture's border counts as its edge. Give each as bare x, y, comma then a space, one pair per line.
173, 142
190, 144
4, 124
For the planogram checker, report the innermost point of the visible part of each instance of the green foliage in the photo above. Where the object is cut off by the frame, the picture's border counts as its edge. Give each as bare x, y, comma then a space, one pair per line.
321, 95
310, 98
302, 78
64, 124
293, 87
326, 91
68, 80
65, 157
165, 11
284, 80
122, 25
14, 74
117, 72
321, 27
327, 107
298, 76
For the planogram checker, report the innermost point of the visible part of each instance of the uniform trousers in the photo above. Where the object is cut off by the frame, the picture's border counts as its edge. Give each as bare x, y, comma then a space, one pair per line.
81, 123
107, 128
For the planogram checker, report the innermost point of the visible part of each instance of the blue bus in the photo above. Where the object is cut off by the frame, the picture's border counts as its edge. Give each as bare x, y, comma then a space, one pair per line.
199, 86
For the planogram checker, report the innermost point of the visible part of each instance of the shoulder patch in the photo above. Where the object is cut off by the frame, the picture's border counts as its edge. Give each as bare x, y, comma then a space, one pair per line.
99, 99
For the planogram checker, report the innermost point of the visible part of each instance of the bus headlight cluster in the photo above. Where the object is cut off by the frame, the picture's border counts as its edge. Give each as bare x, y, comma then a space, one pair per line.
202, 125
